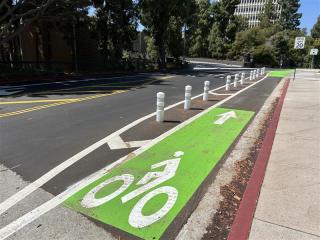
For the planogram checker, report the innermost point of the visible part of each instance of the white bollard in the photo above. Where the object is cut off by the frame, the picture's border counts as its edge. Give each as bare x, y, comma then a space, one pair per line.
228, 82
251, 76
206, 91
187, 95
160, 107
254, 74
236, 79
243, 76
261, 71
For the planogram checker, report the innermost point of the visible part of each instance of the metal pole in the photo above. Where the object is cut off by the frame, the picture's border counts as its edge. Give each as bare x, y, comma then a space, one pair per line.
312, 62
294, 75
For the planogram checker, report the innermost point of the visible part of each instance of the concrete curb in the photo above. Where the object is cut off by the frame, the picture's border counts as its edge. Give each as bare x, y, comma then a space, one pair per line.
241, 226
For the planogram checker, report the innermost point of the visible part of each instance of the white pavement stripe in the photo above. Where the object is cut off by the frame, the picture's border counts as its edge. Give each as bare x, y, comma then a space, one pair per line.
54, 202
73, 81
118, 143
8, 93
213, 63
17, 197
220, 68
221, 94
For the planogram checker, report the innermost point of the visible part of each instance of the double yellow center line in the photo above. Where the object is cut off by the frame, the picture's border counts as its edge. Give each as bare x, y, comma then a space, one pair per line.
57, 102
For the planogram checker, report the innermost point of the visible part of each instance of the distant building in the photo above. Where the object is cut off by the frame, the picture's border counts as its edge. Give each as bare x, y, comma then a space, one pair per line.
251, 10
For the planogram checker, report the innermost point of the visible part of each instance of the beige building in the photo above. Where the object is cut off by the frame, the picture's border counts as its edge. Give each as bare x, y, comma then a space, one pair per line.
251, 10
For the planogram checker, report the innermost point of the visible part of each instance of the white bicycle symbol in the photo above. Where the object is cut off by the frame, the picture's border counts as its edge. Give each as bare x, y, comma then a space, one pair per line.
150, 180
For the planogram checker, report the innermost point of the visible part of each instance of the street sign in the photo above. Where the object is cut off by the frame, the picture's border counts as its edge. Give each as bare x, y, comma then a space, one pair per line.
314, 51
299, 43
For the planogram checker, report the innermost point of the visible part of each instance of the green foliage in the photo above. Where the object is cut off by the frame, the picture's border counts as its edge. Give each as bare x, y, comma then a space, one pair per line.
152, 50
217, 45
115, 28
175, 47
268, 15
198, 28
290, 18
264, 55
155, 16
315, 32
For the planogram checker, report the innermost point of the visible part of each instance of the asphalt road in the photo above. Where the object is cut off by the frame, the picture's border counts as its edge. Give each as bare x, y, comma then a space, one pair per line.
34, 142
44, 124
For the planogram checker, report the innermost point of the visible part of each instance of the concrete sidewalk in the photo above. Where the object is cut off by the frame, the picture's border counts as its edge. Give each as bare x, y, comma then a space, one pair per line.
289, 202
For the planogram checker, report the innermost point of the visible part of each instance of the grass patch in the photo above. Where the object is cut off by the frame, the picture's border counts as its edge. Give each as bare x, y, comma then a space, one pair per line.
280, 73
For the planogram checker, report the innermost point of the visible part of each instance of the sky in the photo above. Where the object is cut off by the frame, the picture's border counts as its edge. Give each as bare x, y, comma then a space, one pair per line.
310, 10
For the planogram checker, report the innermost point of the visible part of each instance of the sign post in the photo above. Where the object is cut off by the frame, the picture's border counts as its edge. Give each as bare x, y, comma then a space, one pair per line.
313, 52
298, 44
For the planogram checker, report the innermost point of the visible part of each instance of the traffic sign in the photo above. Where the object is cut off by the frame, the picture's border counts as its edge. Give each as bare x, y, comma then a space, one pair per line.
314, 51
299, 42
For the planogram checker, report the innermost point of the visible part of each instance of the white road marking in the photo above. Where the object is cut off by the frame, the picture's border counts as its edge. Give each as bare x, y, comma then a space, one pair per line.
8, 93
118, 143
57, 200
72, 81
220, 94
214, 63
225, 117
220, 68
17, 197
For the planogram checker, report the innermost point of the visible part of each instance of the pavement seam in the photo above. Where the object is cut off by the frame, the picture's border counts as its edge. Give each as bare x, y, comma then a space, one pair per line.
279, 225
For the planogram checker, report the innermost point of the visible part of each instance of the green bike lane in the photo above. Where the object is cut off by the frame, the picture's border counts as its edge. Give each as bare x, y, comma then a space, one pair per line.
144, 195
149, 196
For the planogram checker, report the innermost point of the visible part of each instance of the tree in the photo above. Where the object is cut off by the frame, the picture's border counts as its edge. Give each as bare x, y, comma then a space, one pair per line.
224, 28
114, 27
315, 31
199, 29
175, 40
267, 17
18, 15
289, 17
155, 16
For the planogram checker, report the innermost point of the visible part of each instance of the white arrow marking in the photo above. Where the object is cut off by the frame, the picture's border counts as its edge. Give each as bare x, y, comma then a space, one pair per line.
178, 154
117, 143
224, 117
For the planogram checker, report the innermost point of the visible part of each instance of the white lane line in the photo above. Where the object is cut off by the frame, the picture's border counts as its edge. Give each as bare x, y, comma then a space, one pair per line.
8, 93
213, 63
221, 94
57, 200
17, 197
72, 81
220, 68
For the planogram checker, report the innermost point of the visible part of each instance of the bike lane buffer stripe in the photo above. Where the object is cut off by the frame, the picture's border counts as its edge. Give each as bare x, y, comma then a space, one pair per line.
145, 194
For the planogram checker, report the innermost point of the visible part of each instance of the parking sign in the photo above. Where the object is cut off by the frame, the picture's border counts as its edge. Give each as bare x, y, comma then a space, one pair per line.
299, 43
